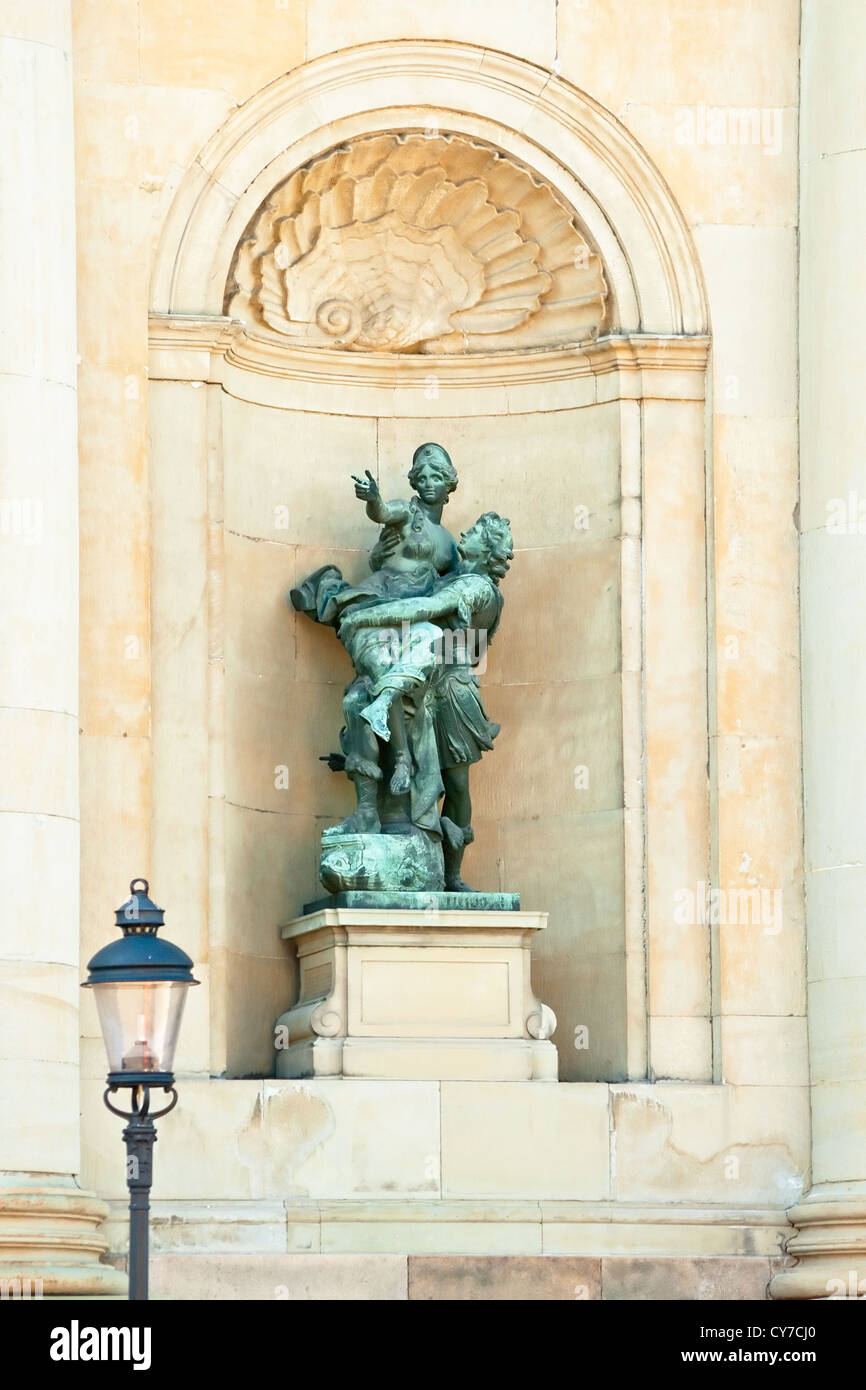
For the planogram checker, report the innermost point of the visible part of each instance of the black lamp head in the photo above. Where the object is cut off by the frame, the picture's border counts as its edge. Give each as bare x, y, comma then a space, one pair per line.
142, 959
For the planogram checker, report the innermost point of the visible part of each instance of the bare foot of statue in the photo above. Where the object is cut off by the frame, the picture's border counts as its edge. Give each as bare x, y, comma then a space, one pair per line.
401, 779
454, 841
364, 821
376, 716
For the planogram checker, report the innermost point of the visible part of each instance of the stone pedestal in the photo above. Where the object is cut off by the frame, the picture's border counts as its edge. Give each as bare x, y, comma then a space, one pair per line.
416, 994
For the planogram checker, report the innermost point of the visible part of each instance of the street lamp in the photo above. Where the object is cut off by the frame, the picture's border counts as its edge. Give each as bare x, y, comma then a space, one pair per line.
140, 985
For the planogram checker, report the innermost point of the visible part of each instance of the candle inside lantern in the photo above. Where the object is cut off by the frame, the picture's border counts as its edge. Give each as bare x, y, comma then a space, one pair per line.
141, 1057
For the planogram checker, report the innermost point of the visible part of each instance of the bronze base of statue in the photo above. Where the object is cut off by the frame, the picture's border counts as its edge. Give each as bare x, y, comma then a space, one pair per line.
352, 861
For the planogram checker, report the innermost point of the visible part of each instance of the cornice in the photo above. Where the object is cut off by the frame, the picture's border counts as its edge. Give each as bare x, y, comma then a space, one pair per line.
229, 339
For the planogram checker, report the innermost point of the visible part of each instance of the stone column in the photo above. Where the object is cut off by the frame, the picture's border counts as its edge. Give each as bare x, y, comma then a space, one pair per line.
831, 1238
677, 805
47, 1224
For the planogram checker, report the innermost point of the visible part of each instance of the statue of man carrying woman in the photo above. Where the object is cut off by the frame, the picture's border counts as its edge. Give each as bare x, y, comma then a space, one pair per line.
415, 629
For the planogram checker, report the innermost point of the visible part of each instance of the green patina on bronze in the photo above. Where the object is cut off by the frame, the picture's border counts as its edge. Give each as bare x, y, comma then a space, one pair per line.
420, 902
415, 628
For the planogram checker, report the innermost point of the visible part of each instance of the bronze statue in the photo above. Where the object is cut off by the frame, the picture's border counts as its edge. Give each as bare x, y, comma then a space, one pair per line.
415, 628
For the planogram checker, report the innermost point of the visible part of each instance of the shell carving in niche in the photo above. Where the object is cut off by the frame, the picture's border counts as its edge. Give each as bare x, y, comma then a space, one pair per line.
410, 243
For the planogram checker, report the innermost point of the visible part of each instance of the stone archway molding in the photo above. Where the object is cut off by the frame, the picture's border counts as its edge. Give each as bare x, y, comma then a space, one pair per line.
562, 133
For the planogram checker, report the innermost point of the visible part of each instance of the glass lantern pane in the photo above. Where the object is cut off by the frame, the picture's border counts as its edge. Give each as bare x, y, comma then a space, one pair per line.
140, 1022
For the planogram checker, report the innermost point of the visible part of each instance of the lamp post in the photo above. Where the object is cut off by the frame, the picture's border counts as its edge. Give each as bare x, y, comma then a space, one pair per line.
140, 985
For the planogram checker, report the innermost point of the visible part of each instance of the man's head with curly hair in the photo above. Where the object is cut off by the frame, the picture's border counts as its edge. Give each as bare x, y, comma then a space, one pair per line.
489, 539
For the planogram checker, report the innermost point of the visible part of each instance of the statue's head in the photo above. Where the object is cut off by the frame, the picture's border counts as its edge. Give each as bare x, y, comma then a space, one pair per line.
432, 475
489, 545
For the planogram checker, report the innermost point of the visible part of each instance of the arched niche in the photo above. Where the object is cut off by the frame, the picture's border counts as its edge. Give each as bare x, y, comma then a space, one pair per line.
594, 447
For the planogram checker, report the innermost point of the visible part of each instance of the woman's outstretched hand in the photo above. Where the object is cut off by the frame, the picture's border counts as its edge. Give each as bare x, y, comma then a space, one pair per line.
368, 490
